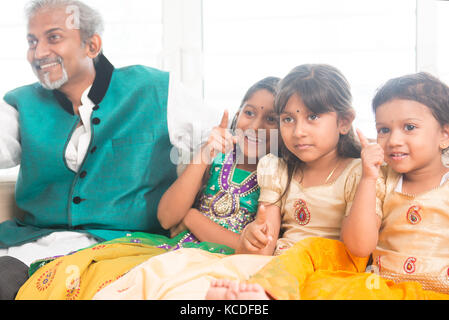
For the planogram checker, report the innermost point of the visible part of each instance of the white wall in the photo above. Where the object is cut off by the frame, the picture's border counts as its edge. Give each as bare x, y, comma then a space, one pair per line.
220, 48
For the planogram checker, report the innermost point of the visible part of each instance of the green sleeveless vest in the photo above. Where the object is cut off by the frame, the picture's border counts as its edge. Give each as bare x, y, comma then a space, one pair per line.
126, 170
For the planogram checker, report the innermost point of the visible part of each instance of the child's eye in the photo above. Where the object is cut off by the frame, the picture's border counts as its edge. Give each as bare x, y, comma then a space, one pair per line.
287, 119
249, 113
271, 119
313, 117
409, 127
383, 130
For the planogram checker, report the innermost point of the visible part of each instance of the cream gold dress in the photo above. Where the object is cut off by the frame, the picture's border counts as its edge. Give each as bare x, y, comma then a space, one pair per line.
414, 235
315, 211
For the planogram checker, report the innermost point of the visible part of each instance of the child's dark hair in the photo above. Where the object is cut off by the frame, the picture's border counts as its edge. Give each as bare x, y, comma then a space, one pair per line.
322, 88
269, 83
421, 87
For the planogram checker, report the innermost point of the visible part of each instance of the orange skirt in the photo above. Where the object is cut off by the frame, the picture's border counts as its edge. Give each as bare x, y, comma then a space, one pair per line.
318, 268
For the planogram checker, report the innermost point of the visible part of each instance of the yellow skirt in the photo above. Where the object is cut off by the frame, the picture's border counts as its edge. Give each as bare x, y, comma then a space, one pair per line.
318, 268
81, 275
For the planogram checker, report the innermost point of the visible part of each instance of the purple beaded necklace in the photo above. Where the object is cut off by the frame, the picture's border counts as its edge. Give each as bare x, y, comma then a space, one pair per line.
227, 200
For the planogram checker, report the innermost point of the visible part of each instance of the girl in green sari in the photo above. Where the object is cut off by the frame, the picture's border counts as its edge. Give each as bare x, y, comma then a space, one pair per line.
217, 195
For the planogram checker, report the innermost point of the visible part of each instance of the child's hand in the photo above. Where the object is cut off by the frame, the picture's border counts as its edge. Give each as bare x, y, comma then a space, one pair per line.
372, 157
256, 235
220, 139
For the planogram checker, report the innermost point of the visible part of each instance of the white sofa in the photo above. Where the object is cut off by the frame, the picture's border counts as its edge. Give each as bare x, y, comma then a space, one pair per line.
8, 207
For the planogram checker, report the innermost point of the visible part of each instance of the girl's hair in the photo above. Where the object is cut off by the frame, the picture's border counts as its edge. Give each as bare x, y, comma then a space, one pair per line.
322, 88
421, 87
269, 83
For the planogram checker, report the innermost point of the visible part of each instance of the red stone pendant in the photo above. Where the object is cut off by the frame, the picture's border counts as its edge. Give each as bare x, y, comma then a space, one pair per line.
302, 213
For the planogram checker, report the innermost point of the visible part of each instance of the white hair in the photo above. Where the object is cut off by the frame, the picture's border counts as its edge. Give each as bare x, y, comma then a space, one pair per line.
88, 20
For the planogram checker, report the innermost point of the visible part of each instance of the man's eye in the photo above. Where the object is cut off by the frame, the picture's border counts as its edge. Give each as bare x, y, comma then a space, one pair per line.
54, 37
32, 43
409, 127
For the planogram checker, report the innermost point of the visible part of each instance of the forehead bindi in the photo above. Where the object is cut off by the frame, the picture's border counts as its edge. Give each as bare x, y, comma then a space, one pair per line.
295, 105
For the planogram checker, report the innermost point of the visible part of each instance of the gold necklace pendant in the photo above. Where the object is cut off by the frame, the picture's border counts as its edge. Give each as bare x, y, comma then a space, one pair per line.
332, 172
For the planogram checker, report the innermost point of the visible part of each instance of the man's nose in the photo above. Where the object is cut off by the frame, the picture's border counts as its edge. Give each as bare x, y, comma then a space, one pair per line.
42, 50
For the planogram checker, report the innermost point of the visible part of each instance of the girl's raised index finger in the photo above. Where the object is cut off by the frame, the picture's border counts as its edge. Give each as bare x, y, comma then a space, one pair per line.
224, 120
363, 141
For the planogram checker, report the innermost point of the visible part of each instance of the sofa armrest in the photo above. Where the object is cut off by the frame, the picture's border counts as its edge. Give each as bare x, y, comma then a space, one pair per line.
8, 207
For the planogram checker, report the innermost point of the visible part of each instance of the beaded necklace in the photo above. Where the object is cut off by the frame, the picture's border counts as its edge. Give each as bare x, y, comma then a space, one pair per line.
227, 200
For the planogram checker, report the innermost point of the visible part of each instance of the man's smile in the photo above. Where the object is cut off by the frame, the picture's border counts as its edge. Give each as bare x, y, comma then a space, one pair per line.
46, 64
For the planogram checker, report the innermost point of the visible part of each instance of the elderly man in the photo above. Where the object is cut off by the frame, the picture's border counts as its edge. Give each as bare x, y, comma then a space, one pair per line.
93, 142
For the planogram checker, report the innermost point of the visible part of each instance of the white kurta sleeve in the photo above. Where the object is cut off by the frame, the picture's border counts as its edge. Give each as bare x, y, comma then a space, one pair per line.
10, 148
189, 120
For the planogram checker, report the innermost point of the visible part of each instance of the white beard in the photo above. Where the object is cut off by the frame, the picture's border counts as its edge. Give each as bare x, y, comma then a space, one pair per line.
49, 85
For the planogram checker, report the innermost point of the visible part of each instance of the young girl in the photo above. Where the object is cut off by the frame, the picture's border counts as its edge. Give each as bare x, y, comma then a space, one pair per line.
399, 212
225, 205
307, 191
228, 201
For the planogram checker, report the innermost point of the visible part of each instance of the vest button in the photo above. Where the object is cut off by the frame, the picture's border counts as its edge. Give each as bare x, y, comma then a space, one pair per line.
96, 107
95, 121
77, 200
83, 174
93, 149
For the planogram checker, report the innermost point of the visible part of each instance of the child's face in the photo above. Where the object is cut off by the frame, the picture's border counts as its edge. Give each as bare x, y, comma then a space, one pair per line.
307, 135
410, 136
255, 121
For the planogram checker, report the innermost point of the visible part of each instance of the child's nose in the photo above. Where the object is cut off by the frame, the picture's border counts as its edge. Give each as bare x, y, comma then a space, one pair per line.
395, 138
299, 130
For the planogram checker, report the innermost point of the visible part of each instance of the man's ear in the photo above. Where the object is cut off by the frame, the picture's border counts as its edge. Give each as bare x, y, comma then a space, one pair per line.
345, 122
93, 46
